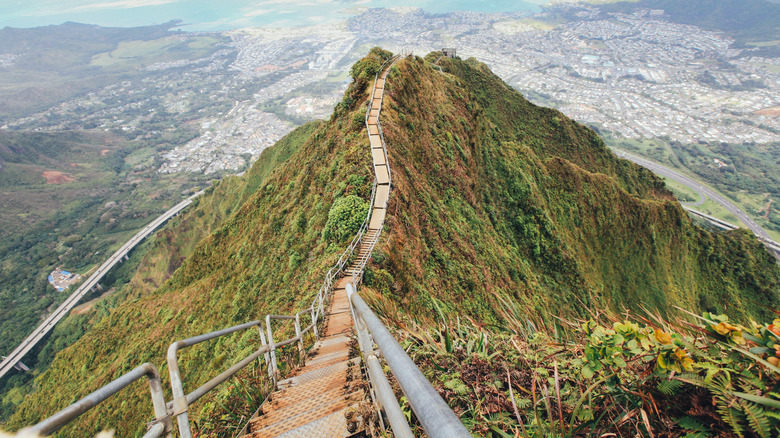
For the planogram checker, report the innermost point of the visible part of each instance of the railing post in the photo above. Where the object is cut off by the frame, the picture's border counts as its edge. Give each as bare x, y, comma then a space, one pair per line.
179, 398
299, 335
272, 346
267, 355
314, 318
158, 401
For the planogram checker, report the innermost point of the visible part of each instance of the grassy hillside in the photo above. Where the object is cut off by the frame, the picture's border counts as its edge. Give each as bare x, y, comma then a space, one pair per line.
494, 196
68, 199
268, 257
150, 265
497, 204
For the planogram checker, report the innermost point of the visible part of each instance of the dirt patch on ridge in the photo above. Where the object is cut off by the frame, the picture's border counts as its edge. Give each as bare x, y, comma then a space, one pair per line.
55, 177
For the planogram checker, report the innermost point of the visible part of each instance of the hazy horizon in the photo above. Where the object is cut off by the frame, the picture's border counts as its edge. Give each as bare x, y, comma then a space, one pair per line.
226, 15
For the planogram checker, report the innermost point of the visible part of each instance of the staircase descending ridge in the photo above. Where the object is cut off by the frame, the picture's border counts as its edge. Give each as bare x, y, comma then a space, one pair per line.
318, 399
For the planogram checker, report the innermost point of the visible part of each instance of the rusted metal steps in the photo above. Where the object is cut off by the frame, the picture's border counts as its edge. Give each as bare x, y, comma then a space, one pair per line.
316, 401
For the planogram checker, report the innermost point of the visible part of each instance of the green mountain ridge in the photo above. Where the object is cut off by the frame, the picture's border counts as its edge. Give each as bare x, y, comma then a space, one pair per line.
494, 200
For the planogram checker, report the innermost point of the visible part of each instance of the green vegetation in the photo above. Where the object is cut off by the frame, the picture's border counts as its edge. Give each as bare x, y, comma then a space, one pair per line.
345, 217
501, 213
751, 169
268, 256
167, 49
626, 374
150, 265
92, 204
682, 192
95, 203
60, 62
554, 219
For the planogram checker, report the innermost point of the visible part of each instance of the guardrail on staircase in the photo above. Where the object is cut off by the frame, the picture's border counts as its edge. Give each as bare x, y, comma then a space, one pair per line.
63, 417
384, 65
162, 424
177, 408
357, 276
431, 410
435, 416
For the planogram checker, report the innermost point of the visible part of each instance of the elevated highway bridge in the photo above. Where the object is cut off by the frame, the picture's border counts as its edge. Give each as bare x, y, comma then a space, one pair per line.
92, 282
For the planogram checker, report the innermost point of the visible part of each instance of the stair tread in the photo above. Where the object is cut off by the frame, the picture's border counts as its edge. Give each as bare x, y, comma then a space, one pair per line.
314, 410
314, 401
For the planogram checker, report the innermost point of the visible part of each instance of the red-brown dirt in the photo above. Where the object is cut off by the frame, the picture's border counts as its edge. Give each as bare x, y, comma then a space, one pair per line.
55, 177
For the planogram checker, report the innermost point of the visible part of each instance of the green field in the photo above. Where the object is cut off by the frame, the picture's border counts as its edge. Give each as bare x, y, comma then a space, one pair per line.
764, 43
681, 191
167, 49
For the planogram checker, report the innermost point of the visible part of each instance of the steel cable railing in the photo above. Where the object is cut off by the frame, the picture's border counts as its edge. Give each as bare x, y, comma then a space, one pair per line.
435, 416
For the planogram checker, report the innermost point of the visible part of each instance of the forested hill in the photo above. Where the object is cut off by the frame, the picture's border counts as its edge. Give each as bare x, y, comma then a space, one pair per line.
496, 197
496, 203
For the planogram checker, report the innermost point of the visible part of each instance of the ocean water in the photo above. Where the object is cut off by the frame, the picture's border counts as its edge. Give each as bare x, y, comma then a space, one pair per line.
224, 14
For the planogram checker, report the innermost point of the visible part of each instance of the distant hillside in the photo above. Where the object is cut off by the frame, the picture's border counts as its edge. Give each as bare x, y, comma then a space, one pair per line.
77, 38
54, 63
745, 20
494, 201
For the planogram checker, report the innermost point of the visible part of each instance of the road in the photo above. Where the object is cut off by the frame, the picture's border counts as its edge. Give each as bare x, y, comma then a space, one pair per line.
699, 188
48, 324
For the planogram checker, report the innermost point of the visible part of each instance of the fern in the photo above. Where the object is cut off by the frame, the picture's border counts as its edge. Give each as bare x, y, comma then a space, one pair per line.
733, 418
522, 403
669, 387
692, 424
457, 386
757, 419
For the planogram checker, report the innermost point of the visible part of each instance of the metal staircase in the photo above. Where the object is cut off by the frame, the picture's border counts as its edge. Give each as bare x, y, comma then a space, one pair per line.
327, 396
318, 400
315, 401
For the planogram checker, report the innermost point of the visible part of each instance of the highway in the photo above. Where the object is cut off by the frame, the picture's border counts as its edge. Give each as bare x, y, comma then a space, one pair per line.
48, 324
699, 188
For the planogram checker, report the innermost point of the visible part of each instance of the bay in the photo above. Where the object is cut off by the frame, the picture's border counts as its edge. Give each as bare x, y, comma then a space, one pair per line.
225, 14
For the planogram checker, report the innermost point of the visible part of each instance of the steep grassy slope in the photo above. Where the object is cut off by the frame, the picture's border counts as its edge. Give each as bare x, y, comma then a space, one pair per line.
149, 266
176, 242
495, 196
120, 337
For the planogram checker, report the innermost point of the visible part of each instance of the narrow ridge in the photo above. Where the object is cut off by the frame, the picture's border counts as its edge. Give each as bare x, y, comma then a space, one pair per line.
315, 400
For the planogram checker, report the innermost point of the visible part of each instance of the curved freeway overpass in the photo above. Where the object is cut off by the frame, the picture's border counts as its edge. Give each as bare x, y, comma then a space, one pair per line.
48, 324
704, 193
698, 188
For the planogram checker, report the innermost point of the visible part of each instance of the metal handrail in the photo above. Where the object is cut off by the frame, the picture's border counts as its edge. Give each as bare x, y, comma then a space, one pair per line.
431, 410
366, 323
161, 425
178, 407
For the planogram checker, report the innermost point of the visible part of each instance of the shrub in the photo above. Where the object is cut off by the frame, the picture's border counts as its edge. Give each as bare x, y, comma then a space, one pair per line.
345, 217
